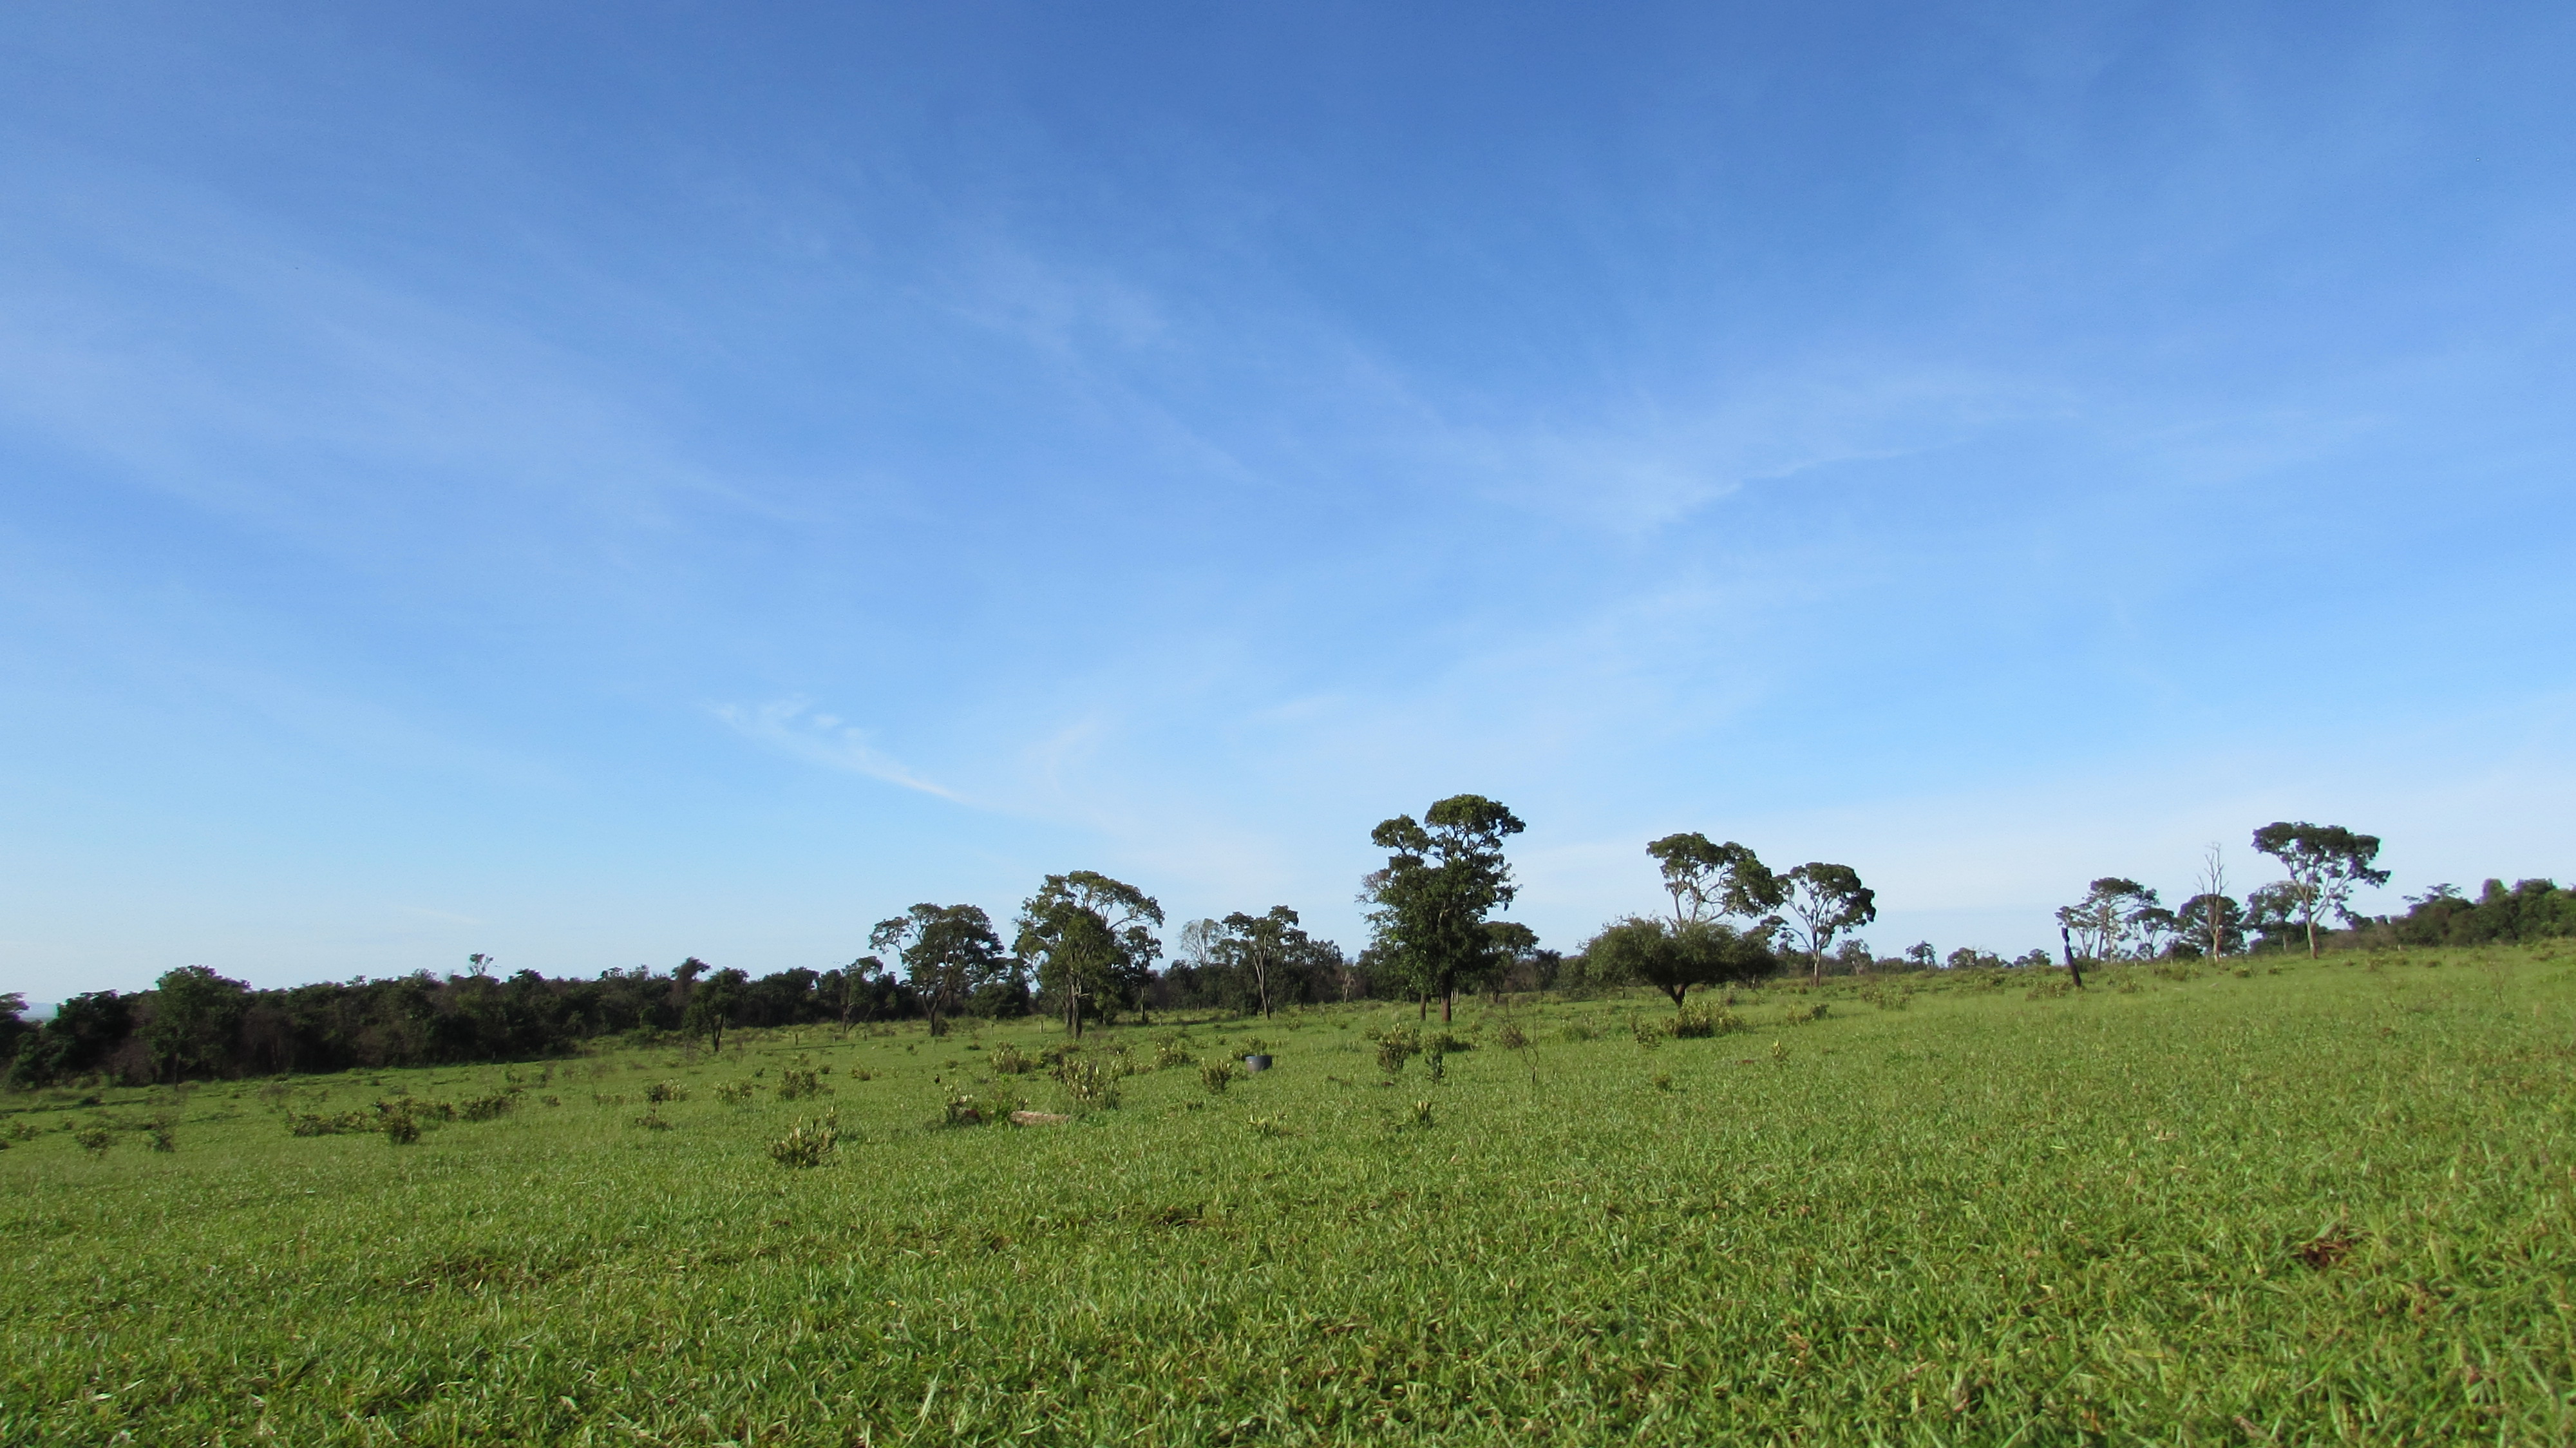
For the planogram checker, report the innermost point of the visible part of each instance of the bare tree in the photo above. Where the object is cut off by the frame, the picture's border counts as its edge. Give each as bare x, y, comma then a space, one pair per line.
2212, 884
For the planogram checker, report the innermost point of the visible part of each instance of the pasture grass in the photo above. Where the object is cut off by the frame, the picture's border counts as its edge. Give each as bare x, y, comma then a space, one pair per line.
2305, 1204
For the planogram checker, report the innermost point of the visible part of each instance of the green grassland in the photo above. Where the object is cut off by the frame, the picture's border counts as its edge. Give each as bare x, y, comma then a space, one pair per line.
2311, 1203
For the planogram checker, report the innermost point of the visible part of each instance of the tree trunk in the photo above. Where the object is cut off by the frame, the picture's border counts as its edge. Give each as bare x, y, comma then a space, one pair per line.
1448, 1000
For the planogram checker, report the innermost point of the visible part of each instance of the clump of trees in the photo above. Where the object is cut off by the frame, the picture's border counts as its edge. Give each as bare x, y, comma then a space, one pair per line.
1712, 888
2121, 919
1730, 914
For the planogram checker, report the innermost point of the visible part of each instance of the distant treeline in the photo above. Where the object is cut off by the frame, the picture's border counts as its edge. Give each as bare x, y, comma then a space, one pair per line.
2531, 910
196, 1023
1085, 947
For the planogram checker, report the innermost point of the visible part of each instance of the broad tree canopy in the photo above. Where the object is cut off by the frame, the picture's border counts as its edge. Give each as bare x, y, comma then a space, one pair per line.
1673, 958
2326, 863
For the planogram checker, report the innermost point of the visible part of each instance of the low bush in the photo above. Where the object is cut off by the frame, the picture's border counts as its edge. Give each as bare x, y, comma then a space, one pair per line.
488, 1108
976, 1110
303, 1123
795, 1085
1702, 1022
1008, 1060
1090, 1085
1396, 1047
664, 1091
1216, 1075
808, 1143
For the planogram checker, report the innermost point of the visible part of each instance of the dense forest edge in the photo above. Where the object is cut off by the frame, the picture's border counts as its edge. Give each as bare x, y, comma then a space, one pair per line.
1085, 949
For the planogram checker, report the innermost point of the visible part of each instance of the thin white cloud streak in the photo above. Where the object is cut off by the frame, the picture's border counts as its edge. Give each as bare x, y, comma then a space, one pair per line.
284, 351
1626, 460
1639, 469
789, 727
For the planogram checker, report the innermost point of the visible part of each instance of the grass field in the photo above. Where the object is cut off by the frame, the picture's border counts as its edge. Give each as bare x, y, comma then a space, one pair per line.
2327, 1203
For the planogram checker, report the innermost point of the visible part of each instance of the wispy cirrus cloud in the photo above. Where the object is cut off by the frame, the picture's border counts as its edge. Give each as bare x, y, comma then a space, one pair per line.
794, 728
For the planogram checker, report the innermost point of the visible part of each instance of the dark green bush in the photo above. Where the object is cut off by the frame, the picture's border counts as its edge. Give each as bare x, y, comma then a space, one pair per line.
489, 1108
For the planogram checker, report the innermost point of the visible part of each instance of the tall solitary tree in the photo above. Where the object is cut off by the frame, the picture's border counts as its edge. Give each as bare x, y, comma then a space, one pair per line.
1516, 956
1711, 881
1826, 900
2326, 863
196, 1015
12, 1028
1261, 945
2112, 911
2214, 924
2209, 925
714, 1004
948, 952
1443, 875
1090, 939
852, 985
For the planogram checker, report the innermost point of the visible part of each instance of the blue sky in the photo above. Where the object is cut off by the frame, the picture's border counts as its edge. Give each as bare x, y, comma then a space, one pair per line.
599, 485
